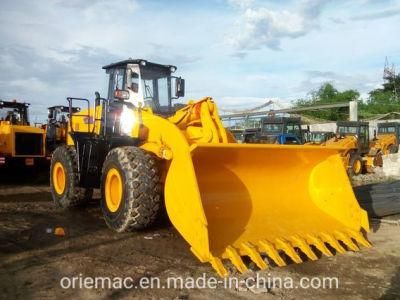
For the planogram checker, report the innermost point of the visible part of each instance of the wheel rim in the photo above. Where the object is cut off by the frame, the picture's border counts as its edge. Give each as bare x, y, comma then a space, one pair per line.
357, 166
59, 178
113, 190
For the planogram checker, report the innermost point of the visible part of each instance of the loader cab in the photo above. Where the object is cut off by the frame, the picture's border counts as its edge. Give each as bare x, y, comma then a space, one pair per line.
319, 137
14, 113
357, 129
389, 128
276, 130
57, 125
287, 129
145, 84
59, 114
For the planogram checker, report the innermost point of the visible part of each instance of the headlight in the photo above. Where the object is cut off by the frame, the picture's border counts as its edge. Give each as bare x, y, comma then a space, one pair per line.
127, 120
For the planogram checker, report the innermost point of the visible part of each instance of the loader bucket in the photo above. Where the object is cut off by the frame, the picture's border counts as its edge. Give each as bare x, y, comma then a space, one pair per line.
263, 200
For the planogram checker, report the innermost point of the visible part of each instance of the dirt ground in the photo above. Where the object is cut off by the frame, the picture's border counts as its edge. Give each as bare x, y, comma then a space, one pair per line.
33, 260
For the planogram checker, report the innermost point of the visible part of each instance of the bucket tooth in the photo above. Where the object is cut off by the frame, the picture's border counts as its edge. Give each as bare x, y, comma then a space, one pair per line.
346, 240
218, 266
289, 250
319, 245
235, 258
252, 252
269, 249
303, 246
359, 238
333, 242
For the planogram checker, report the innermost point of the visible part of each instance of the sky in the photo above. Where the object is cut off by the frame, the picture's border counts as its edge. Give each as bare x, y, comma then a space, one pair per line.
240, 52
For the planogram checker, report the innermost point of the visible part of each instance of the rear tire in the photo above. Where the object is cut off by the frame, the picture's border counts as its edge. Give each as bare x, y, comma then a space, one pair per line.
64, 179
355, 165
130, 187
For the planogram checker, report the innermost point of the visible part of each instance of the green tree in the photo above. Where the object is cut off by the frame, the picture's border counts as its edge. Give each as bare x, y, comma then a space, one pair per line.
385, 99
328, 94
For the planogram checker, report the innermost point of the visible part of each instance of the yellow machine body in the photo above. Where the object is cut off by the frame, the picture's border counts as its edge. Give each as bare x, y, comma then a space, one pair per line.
229, 200
8, 139
383, 142
348, 145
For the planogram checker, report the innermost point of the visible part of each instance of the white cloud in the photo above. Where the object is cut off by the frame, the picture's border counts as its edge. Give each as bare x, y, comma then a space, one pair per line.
52, 49
241, 3
237, 103
31, 84
378, 15
261, 27
342, 81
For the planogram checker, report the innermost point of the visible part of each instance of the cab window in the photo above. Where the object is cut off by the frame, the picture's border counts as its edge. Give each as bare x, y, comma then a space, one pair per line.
391, 129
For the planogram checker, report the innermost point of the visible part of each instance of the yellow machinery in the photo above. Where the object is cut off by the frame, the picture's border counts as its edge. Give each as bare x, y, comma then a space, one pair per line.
20, 143
227, 200
357, 155
56, 127
387, 140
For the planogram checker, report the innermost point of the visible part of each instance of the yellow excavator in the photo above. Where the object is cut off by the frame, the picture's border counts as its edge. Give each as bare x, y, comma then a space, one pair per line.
226, 199
21, 145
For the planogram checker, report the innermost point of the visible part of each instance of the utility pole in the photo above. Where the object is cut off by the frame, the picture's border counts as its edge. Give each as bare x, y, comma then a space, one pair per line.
389, 76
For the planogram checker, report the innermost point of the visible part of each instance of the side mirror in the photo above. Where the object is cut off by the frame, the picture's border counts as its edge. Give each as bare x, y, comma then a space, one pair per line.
179, 87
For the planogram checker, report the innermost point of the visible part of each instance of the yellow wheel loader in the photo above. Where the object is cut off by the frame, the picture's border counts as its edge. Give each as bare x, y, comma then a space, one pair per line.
227, 200
21, 145
358, 157
387, 139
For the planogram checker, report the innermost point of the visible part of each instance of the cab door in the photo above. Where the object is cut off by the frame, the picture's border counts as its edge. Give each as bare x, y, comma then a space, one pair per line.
363, 138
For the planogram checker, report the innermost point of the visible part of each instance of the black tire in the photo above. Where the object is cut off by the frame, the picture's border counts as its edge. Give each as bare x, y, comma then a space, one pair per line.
73, 195
141, 197
355, 161
393, 149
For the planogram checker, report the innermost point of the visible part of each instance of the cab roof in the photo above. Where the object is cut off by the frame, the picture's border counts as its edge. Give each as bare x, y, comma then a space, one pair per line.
13, 104
352, 123
123, 63
388, 124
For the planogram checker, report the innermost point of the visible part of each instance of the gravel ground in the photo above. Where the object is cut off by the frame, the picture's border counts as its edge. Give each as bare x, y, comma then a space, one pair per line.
389, 172
33, 260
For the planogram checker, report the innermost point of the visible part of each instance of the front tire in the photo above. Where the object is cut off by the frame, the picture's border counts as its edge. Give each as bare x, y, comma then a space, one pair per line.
130, 189
64, 179
355, 165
